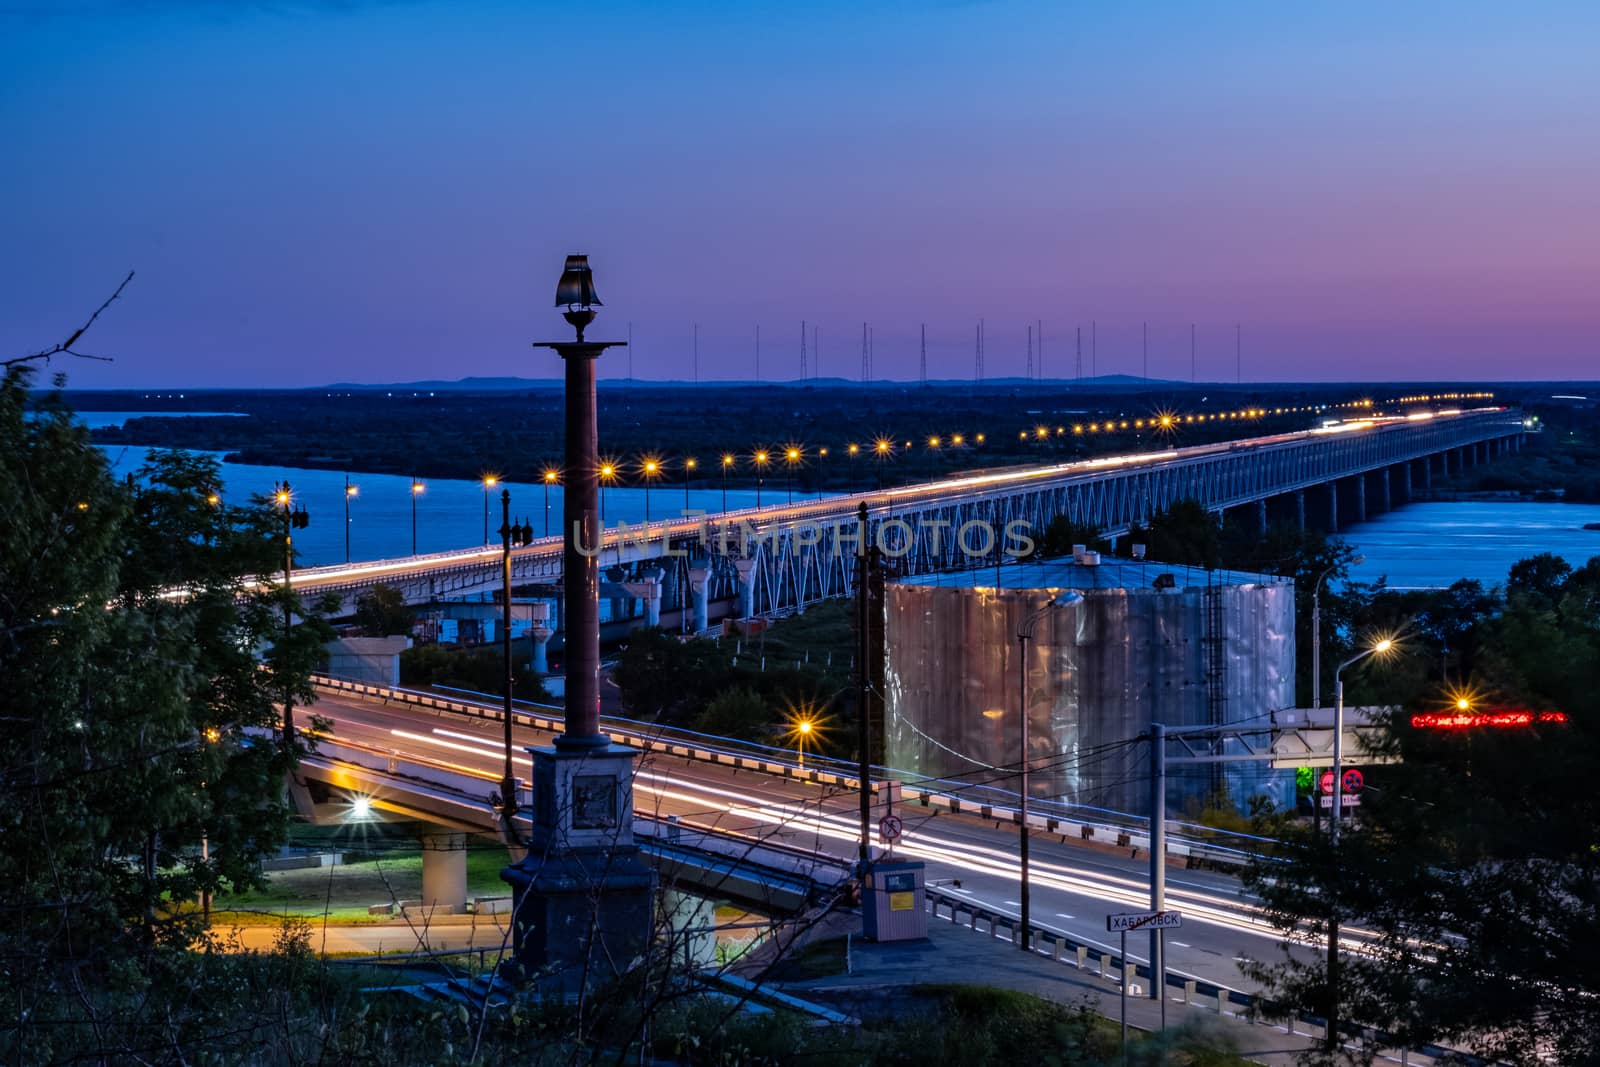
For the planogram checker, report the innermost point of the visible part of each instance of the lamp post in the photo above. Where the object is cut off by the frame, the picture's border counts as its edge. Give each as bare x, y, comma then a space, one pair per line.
1316, 629
791, 456
510, 534
727, 461
294, 518
883, 448
608, 475
933, 452
550, 477
761, 466
854, 450
416, 491
1379, 648
689, 466
651, 469
1024, 635
349, 491
489, 482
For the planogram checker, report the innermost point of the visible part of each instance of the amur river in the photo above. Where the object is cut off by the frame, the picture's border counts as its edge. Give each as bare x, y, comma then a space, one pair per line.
1419, 546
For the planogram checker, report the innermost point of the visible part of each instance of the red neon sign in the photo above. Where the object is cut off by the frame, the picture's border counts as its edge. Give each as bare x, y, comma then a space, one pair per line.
1465, 720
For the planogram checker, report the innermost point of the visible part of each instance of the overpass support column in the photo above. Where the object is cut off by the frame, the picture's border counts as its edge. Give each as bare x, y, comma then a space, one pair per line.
1300, 510
1333, 507
647, 588
444, 872
1361, 497
747, 589
1383, 482
1427, 473
700, 592
1261, 518
1405, 481
540, 634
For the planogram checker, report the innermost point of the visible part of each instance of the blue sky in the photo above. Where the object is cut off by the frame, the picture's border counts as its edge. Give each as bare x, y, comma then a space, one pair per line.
385, 191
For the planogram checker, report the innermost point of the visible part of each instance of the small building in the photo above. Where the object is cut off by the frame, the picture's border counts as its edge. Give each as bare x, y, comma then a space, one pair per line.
1147, 642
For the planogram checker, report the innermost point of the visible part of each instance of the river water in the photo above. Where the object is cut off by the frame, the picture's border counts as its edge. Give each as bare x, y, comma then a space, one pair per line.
1430, 545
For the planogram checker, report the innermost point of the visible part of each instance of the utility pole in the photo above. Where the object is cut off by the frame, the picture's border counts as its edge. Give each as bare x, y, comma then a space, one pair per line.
1078, 369
863, 681
1030, 353
866, 367
1238, 356
758, 352
1191, 354
697, 353
803, 371
922, 364
1144, 341
1158, 862
1094, 351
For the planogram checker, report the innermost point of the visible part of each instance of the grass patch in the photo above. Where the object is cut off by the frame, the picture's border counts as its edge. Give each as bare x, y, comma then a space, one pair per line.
344, 893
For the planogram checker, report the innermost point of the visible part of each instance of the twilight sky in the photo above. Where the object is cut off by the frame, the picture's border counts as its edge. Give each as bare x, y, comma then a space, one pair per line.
367, 191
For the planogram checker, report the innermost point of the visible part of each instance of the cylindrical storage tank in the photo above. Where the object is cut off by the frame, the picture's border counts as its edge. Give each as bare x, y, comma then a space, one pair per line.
1192, 648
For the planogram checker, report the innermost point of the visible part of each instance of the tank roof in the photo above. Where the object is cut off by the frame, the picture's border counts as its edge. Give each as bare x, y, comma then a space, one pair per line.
1109, 574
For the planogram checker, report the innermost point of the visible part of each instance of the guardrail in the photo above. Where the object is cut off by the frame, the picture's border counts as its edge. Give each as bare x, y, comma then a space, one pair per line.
1109, 963
1094, 829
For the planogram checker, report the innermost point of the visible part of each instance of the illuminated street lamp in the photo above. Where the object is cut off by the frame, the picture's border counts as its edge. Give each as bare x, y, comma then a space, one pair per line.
791, 456
551, 476
489, 482
608, 476
805, 726
761, 466
689, 466
933, 452
727, 461
651, 469
519, 535
1378, 648
883, 448
349, 491
1024, 635
416, 491
854, 450
294, 518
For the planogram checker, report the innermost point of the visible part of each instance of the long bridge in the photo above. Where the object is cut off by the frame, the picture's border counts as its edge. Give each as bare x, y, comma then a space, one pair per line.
766, 561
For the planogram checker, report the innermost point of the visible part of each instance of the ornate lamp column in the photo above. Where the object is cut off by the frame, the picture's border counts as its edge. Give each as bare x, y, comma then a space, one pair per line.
582, 896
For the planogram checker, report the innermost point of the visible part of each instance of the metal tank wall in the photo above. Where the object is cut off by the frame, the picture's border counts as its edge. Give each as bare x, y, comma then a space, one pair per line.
1098, 673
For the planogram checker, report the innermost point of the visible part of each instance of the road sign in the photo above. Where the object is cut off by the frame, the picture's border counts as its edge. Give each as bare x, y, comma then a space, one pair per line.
889, 829
1327, 781
1351, 800
1144, 920
1353, 781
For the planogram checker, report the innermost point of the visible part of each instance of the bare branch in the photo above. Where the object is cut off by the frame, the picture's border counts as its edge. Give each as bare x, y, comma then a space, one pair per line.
64, 348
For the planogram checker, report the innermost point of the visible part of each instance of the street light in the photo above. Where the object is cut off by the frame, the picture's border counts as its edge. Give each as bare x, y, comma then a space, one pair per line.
651, 469
349, 491
608, 476
853, 449
727, 461
1024, 635
518, 534
933, 451
884, 448
1316, 629
489, 482
761, 466
1378, 648
551, 476
294, 518
416, 491
802, 726
791, 456
689, 466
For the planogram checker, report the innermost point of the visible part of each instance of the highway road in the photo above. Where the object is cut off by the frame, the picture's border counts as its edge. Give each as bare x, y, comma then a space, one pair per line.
1073, 886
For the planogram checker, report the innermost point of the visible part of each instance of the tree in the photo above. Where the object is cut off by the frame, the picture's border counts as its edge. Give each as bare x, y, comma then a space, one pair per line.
136, 723
1475, 865
1184, 533
1062, 533
738, 712
382, 611
663, 678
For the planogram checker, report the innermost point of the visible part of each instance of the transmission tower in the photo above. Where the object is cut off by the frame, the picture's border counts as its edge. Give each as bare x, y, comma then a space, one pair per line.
1030, 353
1078, 369
803, 369
922, 363
866, 365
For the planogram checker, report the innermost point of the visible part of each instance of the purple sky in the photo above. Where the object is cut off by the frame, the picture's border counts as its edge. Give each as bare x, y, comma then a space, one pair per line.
385, 191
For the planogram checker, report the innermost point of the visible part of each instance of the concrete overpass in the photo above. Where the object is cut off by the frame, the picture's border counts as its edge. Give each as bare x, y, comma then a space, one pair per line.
781, 558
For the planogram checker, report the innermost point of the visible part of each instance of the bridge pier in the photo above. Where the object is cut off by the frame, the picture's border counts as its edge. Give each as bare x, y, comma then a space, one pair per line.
1300, 510
1361, 497
1333, 506
1405, 482
700, 591
444, 871
747, 590
1261, 518
1383, 483
1427, 474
